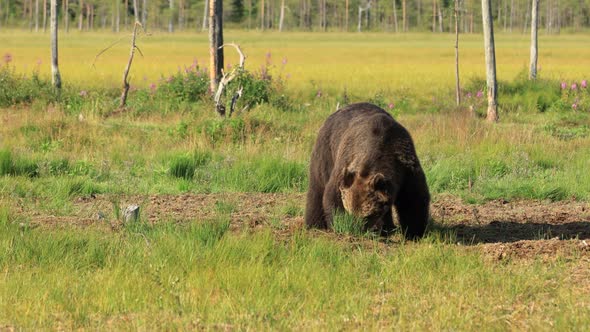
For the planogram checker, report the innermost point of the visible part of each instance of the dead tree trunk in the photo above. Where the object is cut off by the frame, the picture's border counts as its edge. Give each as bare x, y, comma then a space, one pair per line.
44, 16
228, 77
66, 15
118, 18
171, 19
206, 15
395, 16
282, 15
404, 17
440, 19
36, 15
128, 67
261, 15
361, 10
457, 83
490, 54
144, 15
55, 76
215, 41
534, 49
81, 15
135, 11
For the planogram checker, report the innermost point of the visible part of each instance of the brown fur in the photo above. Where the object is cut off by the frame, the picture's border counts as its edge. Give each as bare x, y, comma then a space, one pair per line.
364, 162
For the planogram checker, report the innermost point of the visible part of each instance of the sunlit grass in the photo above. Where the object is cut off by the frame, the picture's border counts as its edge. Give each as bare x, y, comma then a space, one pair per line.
421, 64
200, 275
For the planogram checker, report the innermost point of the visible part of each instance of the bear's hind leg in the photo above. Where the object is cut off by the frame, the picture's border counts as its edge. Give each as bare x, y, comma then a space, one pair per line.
314, 211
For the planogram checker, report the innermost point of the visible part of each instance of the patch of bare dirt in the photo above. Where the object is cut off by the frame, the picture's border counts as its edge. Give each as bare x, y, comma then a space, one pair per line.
500, 229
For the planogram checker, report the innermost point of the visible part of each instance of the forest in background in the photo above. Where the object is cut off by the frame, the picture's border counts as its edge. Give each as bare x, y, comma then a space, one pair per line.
555, 16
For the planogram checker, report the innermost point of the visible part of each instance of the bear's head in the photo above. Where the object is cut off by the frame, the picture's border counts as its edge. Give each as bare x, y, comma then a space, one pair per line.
367, 196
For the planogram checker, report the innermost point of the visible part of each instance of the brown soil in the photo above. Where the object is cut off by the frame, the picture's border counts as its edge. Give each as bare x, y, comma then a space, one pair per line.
499, 229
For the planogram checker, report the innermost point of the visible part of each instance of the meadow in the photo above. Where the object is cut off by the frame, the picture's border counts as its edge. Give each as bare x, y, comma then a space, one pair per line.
220, 242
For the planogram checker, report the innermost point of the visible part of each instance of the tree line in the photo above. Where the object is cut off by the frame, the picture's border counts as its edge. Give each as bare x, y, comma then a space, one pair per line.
513, 16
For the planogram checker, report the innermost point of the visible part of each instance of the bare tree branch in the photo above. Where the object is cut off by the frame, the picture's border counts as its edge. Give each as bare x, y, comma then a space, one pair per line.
228, 77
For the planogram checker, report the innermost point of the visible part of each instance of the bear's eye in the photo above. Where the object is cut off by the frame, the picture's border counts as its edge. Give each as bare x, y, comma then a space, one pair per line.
348, 179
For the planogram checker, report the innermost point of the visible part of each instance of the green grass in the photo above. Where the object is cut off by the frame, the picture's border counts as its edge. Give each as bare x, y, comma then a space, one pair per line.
204, 274
198, 275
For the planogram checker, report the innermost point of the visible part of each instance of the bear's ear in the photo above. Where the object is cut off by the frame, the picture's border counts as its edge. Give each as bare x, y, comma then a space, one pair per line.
378, 182
347, 178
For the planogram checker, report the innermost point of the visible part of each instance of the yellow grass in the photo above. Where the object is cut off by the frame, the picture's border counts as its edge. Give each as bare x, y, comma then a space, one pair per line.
361, 63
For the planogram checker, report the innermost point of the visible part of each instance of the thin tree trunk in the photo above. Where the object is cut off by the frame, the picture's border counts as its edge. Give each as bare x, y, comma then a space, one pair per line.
395, 16
404, 17
249, 14
128, 67
457, 83
66, 15
434, 15
282, 15
261, 16
526, 18
125, 12
36, 15
346, 8
55, 76
144, 15
81, 15
511, 14
44, 16
206, 15
534, 47
490, 55
440, 19
170, 20
135, 11
180, 15
118, 18
215, 41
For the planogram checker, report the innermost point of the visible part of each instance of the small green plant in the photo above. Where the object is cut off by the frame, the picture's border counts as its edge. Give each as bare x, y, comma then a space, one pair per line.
184, 166
11, 165
344, 223
210, 232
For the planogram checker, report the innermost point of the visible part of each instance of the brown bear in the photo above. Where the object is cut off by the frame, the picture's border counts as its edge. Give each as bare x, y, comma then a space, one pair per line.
364, 162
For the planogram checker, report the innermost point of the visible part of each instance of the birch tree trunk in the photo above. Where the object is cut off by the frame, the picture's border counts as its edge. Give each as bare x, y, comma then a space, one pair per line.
171, 19
440, 19
282, 15
206, 15
457, 83
433, 15
55, 76
67, 15
118, 18
490, 55
404, 17
144, 15
36, 15
44, 15
395, 16
81, 15
534, 49
346, 15
261, 16
135, 9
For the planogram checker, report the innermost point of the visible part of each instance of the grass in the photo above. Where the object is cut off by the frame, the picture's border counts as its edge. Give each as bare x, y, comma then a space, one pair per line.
199, 275
205, 274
